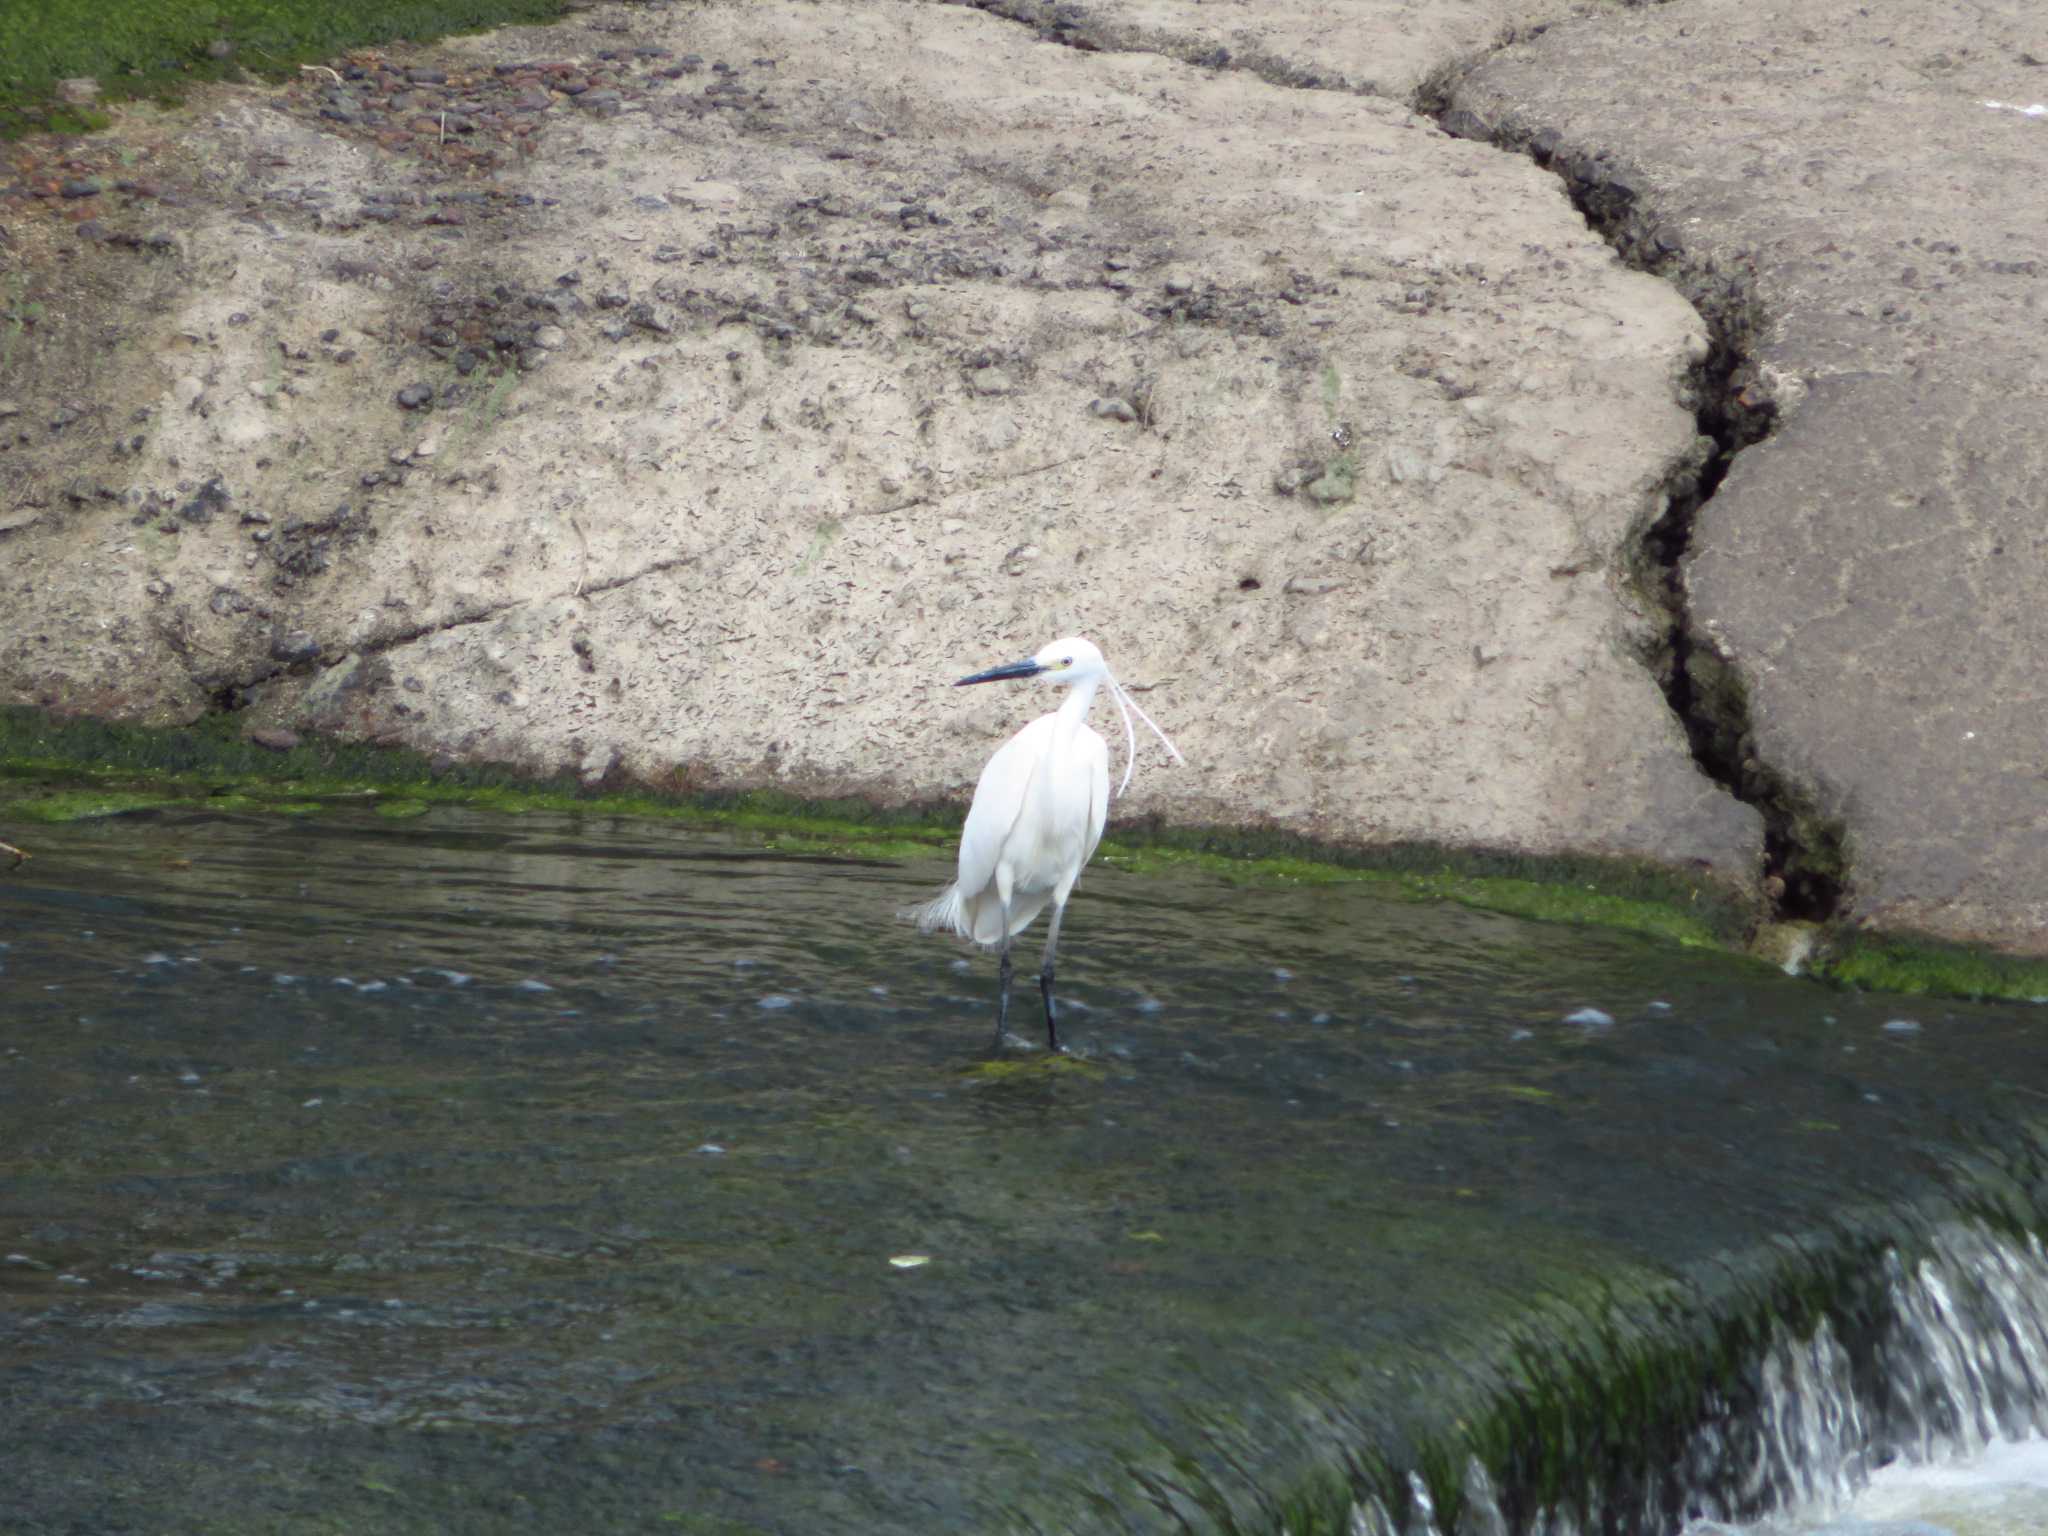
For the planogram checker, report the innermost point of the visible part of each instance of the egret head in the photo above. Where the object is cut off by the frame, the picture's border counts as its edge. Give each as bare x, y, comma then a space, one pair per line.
1066, 662
1075, 662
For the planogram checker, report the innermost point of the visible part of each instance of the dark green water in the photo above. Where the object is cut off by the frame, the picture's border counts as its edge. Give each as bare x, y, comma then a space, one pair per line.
470, 1172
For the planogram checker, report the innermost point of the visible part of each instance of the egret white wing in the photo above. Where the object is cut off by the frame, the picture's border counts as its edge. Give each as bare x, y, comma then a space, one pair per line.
998, 799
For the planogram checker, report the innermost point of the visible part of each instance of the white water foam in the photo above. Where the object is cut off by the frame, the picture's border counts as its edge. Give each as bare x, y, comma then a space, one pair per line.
1939, 1429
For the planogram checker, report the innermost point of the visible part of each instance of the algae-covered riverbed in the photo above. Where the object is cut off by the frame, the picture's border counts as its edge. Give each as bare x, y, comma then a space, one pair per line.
433, 1174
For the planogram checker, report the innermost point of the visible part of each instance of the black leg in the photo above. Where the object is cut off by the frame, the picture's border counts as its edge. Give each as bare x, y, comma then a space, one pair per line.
1052, 944
1002, 997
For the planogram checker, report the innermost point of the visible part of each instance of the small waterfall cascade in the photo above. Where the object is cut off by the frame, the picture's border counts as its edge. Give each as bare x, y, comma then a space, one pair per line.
1935, 1360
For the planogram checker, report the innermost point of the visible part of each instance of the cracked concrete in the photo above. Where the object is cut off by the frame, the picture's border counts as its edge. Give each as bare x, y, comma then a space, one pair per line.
1388, 48
923, 340
1871, 574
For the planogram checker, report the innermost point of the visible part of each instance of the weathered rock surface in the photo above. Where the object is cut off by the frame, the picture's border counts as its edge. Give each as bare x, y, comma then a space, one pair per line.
1874, 572
768, 400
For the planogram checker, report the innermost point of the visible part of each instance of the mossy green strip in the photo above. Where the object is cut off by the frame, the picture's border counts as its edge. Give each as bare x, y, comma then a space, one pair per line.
57, 770
152, 48
1911, 964
1607, 893
49, 805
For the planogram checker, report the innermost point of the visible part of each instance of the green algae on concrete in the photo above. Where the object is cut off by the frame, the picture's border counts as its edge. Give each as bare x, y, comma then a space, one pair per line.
1632, 896
1914, 964
212, 759
47, 804
58, 770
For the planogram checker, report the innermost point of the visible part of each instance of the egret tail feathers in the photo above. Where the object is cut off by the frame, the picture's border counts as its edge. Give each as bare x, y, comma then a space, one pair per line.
978, 918
945, 911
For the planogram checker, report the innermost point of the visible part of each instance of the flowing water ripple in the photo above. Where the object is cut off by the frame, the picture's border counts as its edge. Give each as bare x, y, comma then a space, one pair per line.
661, 1174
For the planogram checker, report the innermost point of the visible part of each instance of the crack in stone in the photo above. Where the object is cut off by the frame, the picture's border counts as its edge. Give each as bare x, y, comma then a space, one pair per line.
230, 696
1805, 852
1072, 26
981, 483
1806, 860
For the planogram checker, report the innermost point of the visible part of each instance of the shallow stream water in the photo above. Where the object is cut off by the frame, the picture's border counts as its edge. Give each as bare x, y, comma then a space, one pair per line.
436, 1174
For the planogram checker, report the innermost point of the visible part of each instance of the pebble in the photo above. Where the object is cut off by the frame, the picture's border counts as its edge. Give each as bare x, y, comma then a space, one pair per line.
1114, 410
294, 646
550, 336
80, 187
275, 737
1404, 464
413, 396
648, 319
990, 381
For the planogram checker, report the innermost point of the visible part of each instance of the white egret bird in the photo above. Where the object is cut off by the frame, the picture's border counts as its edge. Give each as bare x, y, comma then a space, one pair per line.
1036, 818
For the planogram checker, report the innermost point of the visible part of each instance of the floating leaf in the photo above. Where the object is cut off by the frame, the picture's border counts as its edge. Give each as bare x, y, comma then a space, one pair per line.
909, 1260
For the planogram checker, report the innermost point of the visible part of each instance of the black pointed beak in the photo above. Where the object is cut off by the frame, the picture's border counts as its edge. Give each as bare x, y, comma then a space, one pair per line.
1025, 668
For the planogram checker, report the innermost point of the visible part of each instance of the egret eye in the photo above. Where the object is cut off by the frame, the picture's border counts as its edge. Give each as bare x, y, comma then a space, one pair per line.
1066, 661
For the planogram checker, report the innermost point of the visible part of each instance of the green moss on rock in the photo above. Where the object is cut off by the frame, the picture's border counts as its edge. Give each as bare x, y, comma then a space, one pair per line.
1914, 964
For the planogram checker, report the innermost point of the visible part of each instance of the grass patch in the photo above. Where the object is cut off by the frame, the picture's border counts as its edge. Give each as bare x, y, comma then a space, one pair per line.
1912, 964
481, 414
153, 48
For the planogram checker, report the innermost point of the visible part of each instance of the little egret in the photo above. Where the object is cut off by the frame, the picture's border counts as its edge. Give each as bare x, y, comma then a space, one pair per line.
1036, 818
